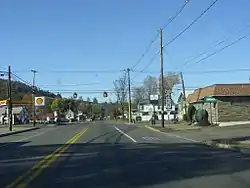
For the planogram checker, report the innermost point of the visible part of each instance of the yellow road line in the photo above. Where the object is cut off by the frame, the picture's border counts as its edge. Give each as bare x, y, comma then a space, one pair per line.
37, 169
152, 129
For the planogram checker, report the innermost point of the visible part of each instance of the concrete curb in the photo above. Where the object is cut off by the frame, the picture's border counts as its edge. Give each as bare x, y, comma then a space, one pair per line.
16, 132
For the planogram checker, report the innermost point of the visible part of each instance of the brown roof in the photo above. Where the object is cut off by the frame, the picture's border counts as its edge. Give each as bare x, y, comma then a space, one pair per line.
220, 90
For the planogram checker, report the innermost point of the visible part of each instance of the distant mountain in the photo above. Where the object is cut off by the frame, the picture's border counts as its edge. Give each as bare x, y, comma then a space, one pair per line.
21, 90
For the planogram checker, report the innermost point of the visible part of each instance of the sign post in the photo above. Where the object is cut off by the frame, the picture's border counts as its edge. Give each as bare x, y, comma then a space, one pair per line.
154, 100
210, 100
168, 103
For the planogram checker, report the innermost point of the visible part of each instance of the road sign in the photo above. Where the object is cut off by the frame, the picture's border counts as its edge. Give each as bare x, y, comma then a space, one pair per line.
168, 99
40, 101
154, 99
210, 99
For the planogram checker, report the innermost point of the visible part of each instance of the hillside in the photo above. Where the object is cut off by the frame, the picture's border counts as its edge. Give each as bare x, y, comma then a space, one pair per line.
19, 90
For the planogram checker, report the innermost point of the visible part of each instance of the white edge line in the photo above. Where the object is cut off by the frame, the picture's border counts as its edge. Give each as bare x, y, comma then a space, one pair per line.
184, 138
125, 134
176, 136
22, 139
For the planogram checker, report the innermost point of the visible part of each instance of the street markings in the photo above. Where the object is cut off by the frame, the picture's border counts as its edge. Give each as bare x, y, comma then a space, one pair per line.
171, 135
125, 134
24, 180
150, 138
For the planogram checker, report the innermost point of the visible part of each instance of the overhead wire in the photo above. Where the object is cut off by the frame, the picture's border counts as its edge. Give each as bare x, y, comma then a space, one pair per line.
216, 44
177, 14
73, 71
65, 85
19, 78
192, 23
155, 38
223, 48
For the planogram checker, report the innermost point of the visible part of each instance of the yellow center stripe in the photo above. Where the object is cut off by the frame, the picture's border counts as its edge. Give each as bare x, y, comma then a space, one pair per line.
39, 167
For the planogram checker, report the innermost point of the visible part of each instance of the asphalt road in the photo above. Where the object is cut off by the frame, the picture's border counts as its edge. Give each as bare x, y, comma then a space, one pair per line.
106, 155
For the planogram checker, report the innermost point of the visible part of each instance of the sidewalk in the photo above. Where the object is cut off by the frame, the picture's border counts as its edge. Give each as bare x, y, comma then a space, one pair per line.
180, 126
4, 130
236, 137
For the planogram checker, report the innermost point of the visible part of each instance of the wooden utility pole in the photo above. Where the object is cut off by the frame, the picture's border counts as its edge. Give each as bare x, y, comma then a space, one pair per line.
33, 97
129, 97
9, 100
162, 81
184, 93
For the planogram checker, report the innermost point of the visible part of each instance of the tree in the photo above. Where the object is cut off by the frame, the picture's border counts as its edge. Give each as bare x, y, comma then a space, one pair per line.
121, 87
150, 85
57, 105
139, 94
63, 105
95, 101
143, 92
170, 80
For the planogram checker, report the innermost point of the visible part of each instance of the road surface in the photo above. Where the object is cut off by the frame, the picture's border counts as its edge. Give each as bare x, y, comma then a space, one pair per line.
105, 155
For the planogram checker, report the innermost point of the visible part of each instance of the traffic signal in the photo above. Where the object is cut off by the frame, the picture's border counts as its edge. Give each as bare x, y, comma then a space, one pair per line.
105, 94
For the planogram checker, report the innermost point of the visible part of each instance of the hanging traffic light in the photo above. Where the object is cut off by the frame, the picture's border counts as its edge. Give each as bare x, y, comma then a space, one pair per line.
105, 94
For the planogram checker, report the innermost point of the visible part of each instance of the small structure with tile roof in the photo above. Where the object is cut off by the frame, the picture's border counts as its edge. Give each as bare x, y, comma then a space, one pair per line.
233, 101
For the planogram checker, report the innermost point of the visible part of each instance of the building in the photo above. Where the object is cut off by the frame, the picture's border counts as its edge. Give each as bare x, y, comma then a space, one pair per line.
20, 114
146, 110
181, 104
232, 102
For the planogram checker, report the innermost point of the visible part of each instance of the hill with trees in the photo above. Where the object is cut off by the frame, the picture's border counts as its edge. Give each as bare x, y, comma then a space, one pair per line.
20, 90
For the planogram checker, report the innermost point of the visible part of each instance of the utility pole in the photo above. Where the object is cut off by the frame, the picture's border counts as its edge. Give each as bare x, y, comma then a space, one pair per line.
33, 96
9, 100
129, 97
116, 116
184, 93
162, 81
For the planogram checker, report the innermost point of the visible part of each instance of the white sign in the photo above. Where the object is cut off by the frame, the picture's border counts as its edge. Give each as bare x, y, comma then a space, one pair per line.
40, 101
153, 97
168, 100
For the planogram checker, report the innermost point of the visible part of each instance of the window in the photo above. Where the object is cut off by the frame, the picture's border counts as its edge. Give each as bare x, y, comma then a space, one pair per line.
142, 107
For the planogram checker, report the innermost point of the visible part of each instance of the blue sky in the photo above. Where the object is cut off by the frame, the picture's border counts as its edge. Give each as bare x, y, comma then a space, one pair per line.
49, 35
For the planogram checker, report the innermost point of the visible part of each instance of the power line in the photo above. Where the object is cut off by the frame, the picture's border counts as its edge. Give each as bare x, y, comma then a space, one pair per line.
203, 72
192, 23
155, 38
73, 71
65, 85
146, 51
218, 71
217, 43
225, 47
26, 82
149, 63
177, 14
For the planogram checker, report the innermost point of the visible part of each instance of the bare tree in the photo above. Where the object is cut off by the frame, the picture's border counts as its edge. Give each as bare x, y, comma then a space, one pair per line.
144, 91
150, 85
139, 94
121, 87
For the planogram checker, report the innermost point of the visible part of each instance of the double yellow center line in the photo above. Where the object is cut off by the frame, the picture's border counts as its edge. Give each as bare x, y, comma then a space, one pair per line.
24, 180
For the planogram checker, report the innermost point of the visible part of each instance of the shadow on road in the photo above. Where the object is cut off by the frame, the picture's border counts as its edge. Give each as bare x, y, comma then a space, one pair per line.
122, 165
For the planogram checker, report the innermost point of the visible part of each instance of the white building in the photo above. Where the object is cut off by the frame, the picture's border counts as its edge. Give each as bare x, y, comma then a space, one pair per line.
146, 110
